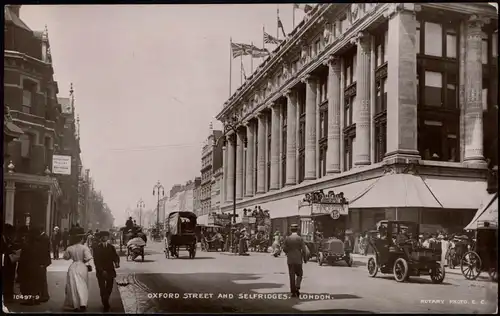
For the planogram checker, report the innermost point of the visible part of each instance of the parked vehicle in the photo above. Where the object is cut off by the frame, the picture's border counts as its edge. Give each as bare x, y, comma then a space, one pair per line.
180, 233
483, 255
398, 252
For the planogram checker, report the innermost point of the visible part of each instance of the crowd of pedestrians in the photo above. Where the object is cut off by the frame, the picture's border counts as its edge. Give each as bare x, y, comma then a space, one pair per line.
26, 254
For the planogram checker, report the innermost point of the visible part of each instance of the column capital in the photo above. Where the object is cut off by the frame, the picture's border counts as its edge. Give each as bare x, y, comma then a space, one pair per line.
270, 105
395, 8
288, 93
333, 61
307, 78
362, 38
476, 22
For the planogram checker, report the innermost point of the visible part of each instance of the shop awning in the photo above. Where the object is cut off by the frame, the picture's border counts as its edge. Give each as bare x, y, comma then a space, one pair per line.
457, 193
487, 213
396, 190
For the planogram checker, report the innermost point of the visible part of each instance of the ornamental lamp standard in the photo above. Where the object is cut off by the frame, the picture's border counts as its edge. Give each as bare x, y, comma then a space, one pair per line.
231, 125
140, 206
158, 188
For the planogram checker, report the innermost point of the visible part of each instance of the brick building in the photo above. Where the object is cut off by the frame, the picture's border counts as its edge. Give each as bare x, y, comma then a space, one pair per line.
211, 160
30, 94
393, 104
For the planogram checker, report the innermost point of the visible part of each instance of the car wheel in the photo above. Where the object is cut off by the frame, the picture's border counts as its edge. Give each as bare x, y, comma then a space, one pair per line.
437, 273
400, 270
372, 267
349, 260
321, 259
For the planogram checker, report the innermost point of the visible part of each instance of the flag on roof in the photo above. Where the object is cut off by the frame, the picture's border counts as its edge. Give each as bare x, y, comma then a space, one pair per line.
240, 49
269, 39
304, 7
259, 52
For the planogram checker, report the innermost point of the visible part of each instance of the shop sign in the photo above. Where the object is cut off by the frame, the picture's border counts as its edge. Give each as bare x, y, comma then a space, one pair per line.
30, 186
61, 164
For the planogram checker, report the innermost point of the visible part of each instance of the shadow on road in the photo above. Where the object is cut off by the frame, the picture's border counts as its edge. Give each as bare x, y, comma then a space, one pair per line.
415, 280
230, 292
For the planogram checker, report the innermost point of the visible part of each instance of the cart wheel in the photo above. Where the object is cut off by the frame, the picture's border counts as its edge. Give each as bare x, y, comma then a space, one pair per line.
493, 272
372, 267
471, 265
349, 260
400, 270
438, 274
321, 259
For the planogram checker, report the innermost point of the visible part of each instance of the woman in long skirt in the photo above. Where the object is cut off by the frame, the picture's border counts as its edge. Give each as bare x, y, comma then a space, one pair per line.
77, 280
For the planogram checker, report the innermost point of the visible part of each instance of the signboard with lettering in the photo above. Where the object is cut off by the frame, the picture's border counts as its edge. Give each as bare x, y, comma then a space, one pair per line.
61, 164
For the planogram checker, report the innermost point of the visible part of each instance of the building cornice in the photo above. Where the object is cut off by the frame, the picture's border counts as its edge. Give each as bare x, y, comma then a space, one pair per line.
465, 8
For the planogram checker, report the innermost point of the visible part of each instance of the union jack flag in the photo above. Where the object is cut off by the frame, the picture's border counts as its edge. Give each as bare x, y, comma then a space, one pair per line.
269, 39
240, 49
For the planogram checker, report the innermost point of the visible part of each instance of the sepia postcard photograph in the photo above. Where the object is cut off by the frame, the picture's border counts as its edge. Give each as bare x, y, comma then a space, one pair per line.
250, 158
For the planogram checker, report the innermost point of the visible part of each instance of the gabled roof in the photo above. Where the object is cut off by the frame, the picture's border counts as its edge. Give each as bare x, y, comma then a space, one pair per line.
13, 18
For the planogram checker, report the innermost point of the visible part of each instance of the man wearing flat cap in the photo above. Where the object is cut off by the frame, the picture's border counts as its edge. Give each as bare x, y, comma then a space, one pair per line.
106, 260
296, 253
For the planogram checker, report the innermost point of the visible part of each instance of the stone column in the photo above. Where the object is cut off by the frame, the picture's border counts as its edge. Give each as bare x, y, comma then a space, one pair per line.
250, 158
362, 108
474, 92
224, 175
333, 149
275, 150
261, 159
297, 140
401, 78
318, 131
310, 146
280, 177
10, 194
240, 145
230, 167
48, 212
373, 95
291, 139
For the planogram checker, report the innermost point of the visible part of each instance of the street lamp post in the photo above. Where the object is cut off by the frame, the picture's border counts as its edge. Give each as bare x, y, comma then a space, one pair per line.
141, 205
231, 125
158, 188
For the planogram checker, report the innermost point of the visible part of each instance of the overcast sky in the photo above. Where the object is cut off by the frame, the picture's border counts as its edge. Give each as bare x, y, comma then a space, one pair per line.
148, 80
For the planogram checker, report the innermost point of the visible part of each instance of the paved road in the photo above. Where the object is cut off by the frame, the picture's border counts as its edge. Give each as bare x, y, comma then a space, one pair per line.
344, 289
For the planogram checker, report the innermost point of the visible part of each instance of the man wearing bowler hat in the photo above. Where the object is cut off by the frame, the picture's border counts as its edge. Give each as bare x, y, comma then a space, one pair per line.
296, 253
106, 260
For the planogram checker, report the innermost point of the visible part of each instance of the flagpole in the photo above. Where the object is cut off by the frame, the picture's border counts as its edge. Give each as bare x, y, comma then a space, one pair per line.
277, 20
293, 16
241, 70
263, 41
251, 63
230, 62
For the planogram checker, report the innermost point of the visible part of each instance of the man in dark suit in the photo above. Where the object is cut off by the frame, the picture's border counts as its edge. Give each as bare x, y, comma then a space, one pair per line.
43, 260
56, 242
105, 260
296, 252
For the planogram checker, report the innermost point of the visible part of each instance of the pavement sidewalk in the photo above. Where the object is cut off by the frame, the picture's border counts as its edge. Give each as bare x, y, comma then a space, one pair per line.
56, 279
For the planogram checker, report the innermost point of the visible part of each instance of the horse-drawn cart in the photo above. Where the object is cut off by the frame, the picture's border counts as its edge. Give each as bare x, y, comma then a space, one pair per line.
484, 254
180, 233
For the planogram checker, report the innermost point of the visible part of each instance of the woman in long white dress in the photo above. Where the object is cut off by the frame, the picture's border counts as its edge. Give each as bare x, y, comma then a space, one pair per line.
77, 280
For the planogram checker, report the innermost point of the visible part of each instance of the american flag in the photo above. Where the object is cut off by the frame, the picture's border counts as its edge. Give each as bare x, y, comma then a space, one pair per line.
269, 39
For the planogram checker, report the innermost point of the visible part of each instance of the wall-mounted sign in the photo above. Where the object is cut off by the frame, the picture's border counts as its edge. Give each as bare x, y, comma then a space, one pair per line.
61, 164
